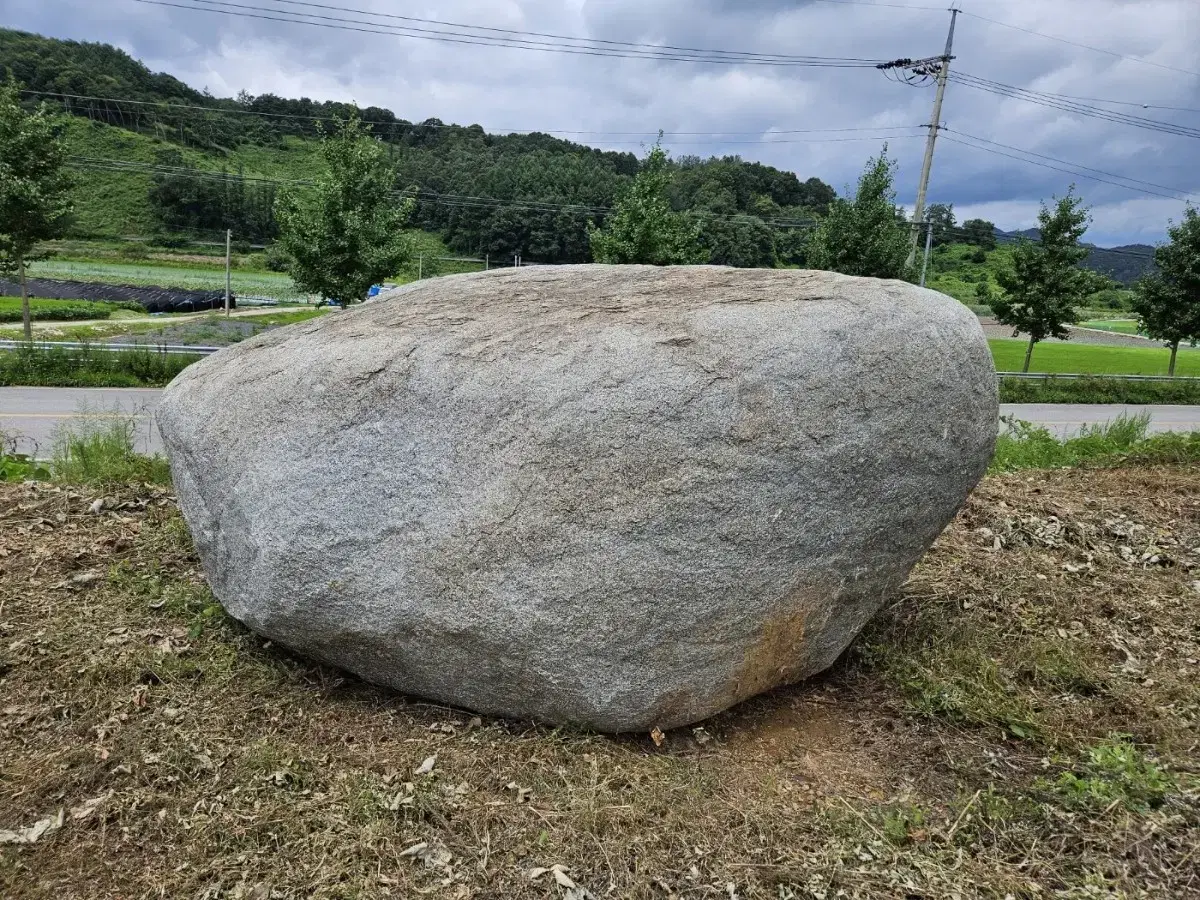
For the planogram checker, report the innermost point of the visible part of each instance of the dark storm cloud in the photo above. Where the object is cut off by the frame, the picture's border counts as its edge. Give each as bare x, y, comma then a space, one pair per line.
511, 89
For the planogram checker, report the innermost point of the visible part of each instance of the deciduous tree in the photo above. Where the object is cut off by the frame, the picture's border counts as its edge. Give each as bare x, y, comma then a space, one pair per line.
979, 232
346, 233
34, 187
1167, 302
941, 218
866, 235
1045, 284
644, 228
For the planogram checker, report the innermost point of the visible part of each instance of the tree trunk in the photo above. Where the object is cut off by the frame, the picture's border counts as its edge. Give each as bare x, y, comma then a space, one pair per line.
1171, 368
1029, 354
26, 316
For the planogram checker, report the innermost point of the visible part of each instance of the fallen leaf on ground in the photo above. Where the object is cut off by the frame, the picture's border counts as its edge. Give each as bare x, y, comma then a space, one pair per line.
34, 832
561, 876
87, 807
426, 767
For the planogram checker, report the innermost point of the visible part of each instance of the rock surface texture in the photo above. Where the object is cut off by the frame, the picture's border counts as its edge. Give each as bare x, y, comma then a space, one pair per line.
612, 497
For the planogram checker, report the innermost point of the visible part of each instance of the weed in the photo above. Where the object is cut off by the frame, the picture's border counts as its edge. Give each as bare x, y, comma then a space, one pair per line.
100, 451
16, 466
1024, 445
87, 367
1114, 773
1097, 390
904, 823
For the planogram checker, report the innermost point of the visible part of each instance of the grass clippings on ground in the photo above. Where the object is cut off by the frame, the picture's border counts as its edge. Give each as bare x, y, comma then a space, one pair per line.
1023, 721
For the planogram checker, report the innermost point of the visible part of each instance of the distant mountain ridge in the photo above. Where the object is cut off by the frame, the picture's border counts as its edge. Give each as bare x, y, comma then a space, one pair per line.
1126, 263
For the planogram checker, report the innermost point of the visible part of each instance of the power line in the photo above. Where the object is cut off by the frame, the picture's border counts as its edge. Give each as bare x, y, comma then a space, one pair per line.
1062, 40
1182, 193
420, 194
346, 24
1011, 239
523, 34
1053, 102
183, 107
1190, 109
1076, 172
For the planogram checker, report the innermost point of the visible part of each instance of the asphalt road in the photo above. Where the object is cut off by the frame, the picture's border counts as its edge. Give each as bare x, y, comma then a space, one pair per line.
33, 414
1065, 419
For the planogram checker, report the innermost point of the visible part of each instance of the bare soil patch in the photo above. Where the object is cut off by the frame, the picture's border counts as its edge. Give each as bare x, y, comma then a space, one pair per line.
969, 745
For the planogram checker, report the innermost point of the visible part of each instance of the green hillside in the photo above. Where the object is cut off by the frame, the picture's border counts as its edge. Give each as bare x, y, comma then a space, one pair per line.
112, 203
968, 273
156, 156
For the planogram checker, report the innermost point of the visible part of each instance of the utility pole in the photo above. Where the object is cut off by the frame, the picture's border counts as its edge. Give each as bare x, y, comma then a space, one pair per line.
928, 248
420, 267
228, 260
919, 70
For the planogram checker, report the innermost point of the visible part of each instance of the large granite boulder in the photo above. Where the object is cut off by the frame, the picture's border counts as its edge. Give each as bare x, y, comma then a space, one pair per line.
613, 497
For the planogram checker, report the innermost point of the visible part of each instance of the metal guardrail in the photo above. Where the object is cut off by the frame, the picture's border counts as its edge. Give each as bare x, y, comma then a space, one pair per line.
1050, 376
183, 349
169, 349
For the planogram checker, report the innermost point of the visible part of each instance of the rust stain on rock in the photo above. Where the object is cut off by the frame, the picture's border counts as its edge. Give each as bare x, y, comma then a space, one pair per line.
777, 656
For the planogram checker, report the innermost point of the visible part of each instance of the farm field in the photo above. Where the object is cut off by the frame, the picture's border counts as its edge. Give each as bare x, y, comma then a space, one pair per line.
276, 285
61, 310
1121, 326
1091, 359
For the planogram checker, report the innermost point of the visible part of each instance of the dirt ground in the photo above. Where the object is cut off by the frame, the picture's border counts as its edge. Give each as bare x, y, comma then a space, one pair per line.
994, 329
1024, 721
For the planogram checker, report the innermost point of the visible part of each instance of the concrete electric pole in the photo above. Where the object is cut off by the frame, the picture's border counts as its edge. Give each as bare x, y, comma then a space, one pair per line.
918, 70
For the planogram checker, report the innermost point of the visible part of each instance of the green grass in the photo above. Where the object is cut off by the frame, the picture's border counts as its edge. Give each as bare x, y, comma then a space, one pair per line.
61, 367
152, 274
98, 449
1027, 446
1120, 326
1098, 389
1091, 359
116, 203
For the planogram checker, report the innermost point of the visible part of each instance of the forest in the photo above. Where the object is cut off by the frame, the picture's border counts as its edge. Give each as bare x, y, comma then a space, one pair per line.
485, 194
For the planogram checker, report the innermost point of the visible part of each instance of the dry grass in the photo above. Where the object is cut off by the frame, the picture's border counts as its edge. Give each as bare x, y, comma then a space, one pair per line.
966, 747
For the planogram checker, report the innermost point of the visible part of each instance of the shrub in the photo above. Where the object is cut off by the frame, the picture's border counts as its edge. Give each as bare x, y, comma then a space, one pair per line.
278, 259
1098, 390
88, 367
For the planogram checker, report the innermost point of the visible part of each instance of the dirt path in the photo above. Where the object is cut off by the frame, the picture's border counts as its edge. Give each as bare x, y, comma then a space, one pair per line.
994, 329
147, 320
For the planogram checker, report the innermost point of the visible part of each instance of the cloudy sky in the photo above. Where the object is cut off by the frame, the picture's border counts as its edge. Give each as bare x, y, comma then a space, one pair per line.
763, 113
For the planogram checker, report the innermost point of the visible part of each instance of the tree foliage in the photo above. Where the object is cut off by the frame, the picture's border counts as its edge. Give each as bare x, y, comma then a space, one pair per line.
643, 228
1045, 283
1167, 302
941, 217
866, 235
979, 232
34, 186
346, 233
188, 199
